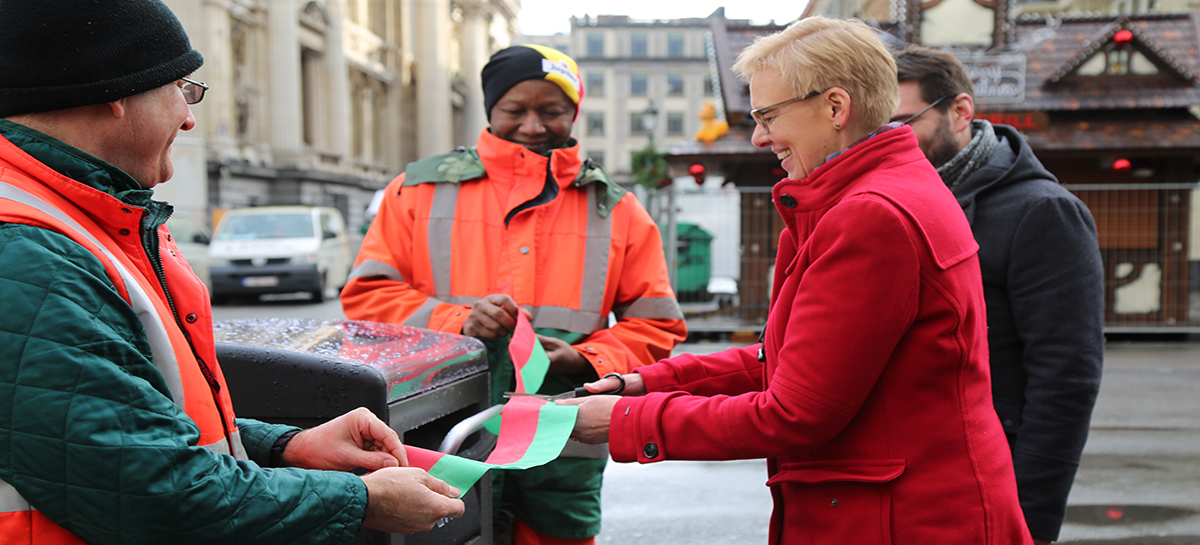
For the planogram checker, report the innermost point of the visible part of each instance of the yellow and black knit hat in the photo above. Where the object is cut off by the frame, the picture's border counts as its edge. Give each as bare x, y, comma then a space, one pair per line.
59, 54
518, 63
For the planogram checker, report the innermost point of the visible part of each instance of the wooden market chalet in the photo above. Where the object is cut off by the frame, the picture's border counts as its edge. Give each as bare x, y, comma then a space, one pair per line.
1109, 104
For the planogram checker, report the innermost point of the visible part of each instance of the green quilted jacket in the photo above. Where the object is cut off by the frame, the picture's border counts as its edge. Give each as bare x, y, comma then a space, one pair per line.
88, 432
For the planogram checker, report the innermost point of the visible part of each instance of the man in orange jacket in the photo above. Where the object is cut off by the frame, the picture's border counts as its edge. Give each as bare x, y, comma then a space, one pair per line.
465, 240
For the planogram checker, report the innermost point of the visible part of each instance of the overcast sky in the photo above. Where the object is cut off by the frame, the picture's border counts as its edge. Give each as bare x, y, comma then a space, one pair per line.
541, 17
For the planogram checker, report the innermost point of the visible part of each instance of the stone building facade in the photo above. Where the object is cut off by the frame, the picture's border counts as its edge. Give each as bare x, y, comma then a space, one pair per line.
322, 102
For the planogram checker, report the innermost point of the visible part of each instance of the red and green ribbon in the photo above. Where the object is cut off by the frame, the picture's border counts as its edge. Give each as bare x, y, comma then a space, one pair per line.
533, 431
528, 357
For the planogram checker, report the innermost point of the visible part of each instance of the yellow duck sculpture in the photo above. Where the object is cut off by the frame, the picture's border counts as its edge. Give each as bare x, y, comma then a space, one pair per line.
712, 128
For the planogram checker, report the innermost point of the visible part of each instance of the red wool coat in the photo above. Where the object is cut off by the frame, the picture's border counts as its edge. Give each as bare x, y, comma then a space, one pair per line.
873, 406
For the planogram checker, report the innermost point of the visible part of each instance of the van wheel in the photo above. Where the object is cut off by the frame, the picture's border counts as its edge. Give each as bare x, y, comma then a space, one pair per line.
318, 295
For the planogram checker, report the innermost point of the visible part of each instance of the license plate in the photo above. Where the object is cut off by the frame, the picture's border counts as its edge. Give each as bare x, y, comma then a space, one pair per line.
260, 281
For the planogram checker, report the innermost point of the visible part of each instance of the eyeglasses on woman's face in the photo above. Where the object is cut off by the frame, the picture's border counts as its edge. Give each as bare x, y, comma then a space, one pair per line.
760, 114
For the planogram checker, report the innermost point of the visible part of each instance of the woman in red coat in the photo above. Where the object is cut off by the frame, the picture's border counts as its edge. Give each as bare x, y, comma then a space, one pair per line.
870, 395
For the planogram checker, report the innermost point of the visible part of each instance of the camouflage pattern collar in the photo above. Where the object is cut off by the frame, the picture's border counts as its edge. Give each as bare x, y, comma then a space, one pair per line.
464, 164
608, 193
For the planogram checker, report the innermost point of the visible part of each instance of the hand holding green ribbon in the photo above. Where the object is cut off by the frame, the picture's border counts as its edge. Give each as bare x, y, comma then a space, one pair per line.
533, 431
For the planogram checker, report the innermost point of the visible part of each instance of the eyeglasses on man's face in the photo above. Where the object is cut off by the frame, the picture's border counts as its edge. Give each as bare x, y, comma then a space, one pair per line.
927, 108
760, 114
193, 91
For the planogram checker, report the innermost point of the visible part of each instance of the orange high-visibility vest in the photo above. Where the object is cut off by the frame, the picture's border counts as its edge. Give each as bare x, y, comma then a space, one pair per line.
196, 388
436, 248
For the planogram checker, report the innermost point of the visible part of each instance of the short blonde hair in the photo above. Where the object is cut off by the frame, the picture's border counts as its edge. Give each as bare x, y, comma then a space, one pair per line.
816, 53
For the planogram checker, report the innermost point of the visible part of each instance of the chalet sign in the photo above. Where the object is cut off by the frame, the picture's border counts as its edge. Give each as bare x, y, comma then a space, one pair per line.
998, 79
1022, 121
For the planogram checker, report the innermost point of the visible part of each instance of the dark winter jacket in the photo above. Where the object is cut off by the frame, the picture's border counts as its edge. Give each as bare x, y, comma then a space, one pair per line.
1043, 283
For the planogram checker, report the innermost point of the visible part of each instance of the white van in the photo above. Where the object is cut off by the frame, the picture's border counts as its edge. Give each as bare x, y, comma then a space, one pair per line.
279, 249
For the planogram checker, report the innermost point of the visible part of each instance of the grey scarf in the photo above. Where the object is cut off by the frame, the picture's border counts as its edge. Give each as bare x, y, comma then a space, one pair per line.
976, 154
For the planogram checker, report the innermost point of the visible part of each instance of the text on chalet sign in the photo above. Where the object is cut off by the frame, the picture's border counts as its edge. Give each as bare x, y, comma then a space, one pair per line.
998, 79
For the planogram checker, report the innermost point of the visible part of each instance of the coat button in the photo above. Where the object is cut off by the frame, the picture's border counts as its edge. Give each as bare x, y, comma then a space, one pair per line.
125, 232
833, 502
650, 450
524, 249
191, 318
787, 201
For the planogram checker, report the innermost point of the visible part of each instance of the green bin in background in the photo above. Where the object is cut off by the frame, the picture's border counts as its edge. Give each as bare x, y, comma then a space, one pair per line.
693, 259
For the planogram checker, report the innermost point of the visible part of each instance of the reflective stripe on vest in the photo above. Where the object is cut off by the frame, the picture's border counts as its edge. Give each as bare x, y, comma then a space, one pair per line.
586, 320
168, 346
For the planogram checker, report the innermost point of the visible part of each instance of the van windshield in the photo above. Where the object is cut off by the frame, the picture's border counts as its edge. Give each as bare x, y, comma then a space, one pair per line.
264, 226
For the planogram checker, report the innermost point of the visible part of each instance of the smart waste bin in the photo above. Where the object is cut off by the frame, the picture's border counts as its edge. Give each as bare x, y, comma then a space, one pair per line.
421, 382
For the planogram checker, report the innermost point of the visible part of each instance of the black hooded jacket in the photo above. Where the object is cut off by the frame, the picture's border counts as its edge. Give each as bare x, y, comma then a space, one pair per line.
1043, 283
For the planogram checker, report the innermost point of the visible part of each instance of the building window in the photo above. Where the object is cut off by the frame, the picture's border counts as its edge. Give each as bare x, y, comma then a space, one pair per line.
636, 127
638, 45
675, 85
674, 123
674, 45
597, 156
706, 83
638, 85
595, 45
594, 86
595, 124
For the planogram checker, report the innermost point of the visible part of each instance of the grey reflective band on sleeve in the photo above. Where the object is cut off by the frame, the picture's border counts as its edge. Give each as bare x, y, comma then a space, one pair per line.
575, 321
651, 308
441, 234
421, 317
372, 267
464, 300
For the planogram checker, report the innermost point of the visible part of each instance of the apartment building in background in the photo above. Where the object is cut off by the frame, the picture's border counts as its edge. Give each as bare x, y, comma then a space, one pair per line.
632, 68
322, 102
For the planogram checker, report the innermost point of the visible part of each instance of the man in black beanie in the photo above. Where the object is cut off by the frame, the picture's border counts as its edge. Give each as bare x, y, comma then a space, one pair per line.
116, 424
518, 221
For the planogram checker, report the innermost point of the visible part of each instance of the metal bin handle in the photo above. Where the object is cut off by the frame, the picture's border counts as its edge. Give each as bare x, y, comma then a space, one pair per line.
459, 433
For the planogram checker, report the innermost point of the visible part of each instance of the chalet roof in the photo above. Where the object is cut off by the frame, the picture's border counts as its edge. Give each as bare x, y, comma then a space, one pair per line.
1055, 51
1121, 134
730, 37
1143, 43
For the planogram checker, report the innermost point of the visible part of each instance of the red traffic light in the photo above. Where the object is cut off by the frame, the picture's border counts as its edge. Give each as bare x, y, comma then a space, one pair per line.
1122, 165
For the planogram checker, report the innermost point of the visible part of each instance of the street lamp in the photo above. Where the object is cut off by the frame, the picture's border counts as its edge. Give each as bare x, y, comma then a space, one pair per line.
650, 120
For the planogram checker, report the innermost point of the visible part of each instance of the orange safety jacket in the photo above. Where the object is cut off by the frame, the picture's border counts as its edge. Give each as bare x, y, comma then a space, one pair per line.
182, 349
458, 227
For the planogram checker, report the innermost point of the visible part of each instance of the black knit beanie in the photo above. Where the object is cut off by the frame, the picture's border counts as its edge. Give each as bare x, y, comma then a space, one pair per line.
59, 54
518, 63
